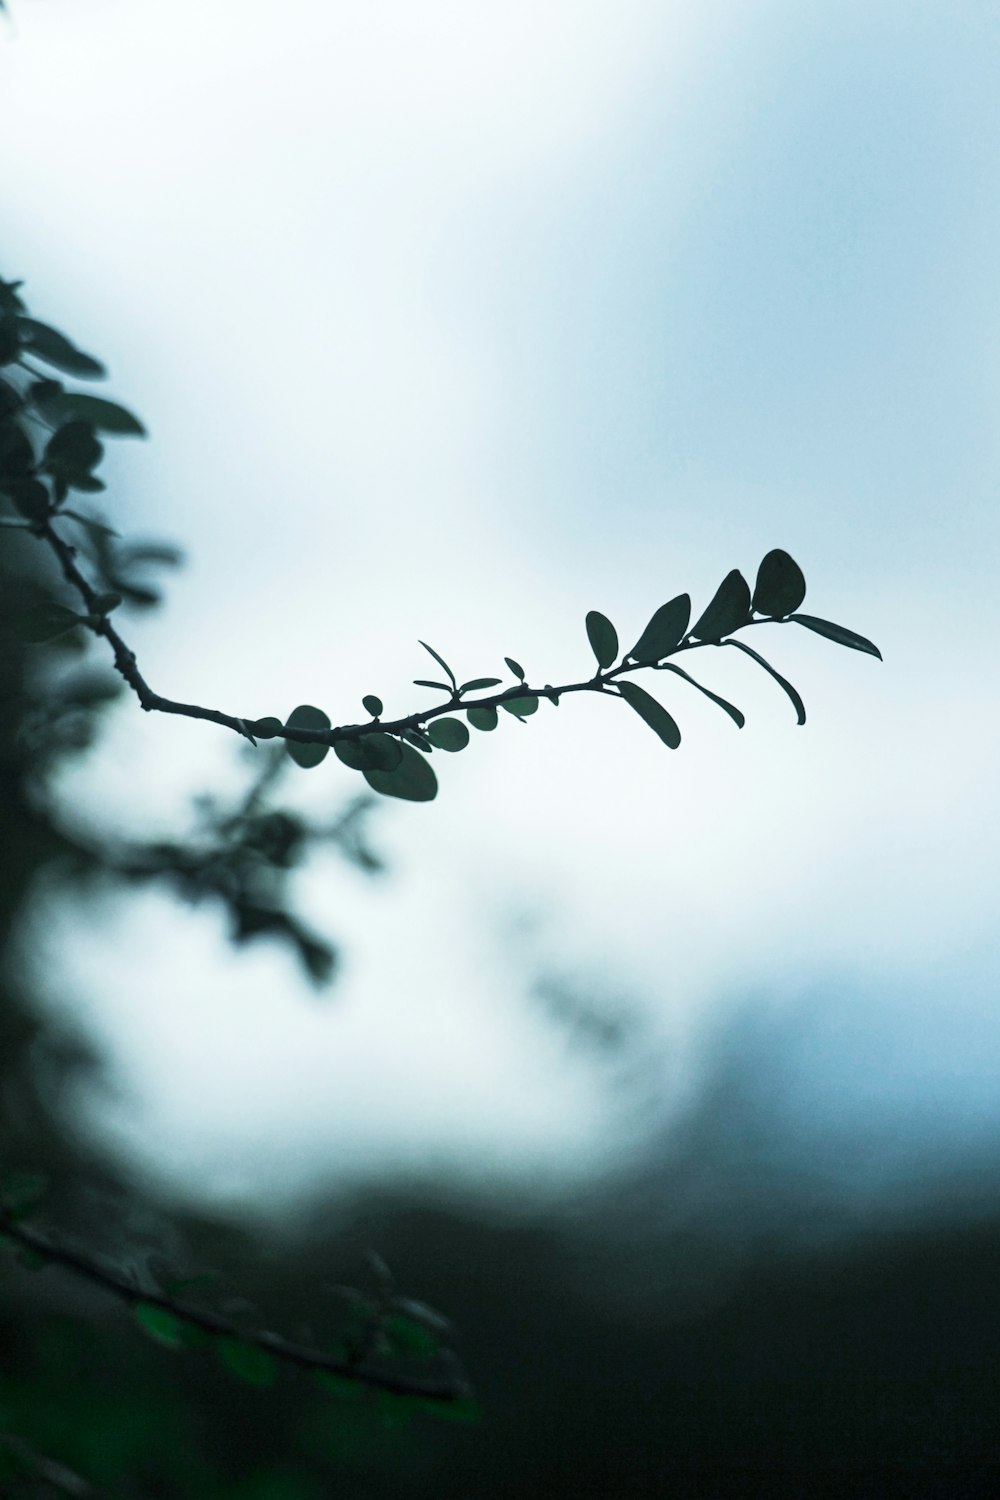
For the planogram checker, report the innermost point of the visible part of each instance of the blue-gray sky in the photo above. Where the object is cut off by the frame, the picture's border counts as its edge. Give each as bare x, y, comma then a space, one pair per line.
455, 322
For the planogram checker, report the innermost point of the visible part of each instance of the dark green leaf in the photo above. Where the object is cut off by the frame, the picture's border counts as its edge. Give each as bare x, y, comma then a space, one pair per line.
411, 1337
443, 687
730, 708
339, 1385
51, 346
248, 1361
521, 707
413, 780
838, 633
73, 449
96, 528
46, 621
729, 609
30, 497
515, 667
603, 638
375, 752
10, 344
160, 1324
307, 717
482, 718
419, 739
478, 683
780, 586
105, 603
106, 416
265, 729
372, 704
20, 1192
448, 734
783, 683
442, 664
653, 713
665, 630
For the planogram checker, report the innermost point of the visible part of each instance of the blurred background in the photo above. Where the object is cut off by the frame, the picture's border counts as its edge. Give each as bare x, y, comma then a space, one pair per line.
671, 1078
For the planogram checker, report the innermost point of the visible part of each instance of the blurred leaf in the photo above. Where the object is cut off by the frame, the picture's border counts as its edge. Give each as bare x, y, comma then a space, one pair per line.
372, 705
838, 633
17, 456
734, 713
780, 586
73, 450
46, 621
442, 664
783, 683
408, 1336
603, 638
654, 714
729, 609
339, 1385
20, 1192
413, 780
55, 349
160, 1324
515, 667
307, 717
482, 718
477, 683
96, 528
448, 734
106, 416
105, 603
248, 1361
665, 630
521, 707
30, 497
443, 687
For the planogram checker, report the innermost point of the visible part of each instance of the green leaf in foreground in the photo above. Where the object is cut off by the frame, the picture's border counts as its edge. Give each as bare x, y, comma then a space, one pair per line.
478, 683
515, 667
265, 729
783, 683
780, 586
442, 687
307, 717
664, 631
443, 664
737, 716
521, 707
448, 734
654, 714
248, 1361
160, 1324
729, 609
484, 719
603, 638
838, 633
372, 705
413, 780
373, 752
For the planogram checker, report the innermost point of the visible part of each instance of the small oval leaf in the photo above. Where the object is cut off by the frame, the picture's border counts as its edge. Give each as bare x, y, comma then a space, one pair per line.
375, 752
248, 1361
780, 586
413, 780
603, 638
372, 705
265, 729
515, 667
838, 633
478, 683
665, 630
307, 717
521, 707
448, 734
654, 714
482, 718
729, 609
160, 1324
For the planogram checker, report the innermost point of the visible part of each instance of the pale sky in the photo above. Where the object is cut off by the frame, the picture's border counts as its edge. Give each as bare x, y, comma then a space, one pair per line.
454, 322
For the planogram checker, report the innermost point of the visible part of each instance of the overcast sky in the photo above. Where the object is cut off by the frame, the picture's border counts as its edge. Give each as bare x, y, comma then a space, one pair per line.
455, 321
